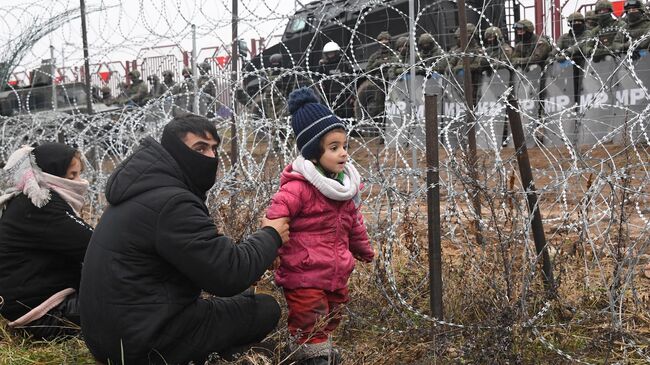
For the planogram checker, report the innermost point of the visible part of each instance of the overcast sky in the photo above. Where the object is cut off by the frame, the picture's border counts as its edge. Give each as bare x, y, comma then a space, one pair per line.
124, 30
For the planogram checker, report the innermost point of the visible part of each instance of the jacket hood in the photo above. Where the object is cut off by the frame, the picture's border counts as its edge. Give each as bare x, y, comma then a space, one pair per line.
288, 174
149, 167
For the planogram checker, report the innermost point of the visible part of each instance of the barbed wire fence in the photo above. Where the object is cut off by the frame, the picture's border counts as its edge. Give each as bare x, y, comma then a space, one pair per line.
588, 141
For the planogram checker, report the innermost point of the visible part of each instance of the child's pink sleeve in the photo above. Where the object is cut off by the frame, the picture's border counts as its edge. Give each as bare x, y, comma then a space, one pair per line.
286, 202
359, 242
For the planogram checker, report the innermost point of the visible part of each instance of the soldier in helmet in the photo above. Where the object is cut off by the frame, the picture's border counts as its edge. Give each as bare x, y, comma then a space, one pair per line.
636, 27
428, 53
455, 62
106, 95
402, 46
274, 92
384, 55
495, 49
156, 88
206, 85
168, 81
591, 20
336, 80
573, 41
605, 33
137, 91
529, 49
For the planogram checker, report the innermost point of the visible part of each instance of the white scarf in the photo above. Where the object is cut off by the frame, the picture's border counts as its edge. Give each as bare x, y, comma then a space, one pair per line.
23, 176
330, 187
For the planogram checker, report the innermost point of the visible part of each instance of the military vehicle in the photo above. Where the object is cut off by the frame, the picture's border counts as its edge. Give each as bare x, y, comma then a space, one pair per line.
355, 24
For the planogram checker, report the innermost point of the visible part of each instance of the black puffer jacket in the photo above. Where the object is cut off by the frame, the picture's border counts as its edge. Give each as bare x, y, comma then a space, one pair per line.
41, 250
153, 250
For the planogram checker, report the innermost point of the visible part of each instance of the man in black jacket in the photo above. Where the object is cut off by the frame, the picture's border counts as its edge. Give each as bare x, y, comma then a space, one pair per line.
155, 248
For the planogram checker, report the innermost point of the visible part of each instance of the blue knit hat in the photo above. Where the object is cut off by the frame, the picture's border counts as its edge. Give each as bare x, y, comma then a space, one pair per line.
310, 121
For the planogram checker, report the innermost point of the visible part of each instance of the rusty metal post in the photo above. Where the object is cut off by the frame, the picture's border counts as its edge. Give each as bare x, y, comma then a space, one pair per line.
526, 174
84, 37
469, 99
433, 205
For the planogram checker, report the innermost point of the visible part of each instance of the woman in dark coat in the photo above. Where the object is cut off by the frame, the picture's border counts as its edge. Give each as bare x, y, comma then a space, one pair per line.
42, 239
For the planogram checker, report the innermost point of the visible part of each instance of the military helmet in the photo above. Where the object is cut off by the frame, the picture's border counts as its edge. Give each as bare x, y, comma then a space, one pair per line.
275, 59
401, 42
383, 36
167, 73
426, 39
153, 78
494, 31
205, 66
602, 5
591, 15
187, 71
575, 16
470, 30
630, 4
105, 90
134, 74
526, 24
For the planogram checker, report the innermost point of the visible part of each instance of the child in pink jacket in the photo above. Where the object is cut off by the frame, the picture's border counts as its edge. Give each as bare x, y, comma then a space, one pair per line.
319, 192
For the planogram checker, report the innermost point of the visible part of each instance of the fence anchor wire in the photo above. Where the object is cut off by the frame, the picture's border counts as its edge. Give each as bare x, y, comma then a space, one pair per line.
528, 183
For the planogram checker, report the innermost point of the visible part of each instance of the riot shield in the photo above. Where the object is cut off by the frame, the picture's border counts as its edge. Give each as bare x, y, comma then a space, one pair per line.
454, 127
398, 112
598, 117
558, 105
491, 130
526, 85
631, 102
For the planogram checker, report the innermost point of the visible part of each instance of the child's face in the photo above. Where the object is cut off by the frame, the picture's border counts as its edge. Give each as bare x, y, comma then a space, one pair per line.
335, 153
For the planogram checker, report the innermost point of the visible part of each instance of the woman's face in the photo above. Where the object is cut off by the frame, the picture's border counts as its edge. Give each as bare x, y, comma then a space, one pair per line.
74, 170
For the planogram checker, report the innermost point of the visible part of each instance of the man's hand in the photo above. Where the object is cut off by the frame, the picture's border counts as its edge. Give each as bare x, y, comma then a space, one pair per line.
281, 225
275, 264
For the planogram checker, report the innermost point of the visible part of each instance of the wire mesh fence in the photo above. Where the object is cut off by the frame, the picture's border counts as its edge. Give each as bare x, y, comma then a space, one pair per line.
585, 116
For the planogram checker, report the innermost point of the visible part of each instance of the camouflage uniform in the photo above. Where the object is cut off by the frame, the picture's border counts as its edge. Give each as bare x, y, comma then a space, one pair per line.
106, 95
402, 45
455, 62
274, 92
605, 32
428, 53
495, 49
157, 89
573, 41
529, 49
138, 90
205, 84
168, 81
636, 27
371, 94
384, 55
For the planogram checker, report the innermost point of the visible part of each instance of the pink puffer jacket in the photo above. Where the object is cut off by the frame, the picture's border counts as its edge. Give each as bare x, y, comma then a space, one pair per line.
324, 236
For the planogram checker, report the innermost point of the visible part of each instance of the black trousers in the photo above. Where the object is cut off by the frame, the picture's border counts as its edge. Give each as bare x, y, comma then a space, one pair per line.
216, 325
62, 320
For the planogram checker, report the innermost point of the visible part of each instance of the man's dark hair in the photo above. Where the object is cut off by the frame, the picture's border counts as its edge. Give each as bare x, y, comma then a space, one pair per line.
190, 123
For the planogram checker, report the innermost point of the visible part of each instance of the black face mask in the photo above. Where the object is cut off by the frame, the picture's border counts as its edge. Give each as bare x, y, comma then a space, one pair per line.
634, 17
578, 28
200, 170
523, 38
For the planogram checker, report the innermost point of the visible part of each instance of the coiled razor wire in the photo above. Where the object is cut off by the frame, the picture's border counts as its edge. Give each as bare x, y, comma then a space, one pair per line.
590, 159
